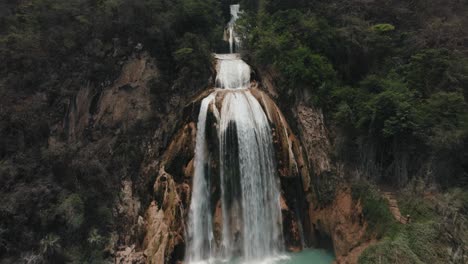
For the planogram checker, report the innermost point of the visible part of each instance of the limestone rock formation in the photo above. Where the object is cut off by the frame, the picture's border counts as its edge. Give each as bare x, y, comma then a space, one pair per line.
157, 230
167, 212
343, 222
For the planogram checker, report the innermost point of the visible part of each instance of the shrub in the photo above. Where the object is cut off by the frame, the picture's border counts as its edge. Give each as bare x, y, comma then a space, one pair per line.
50, 246
72, 210
375, 209
95, 239
389, 252
411, 202
382, 28
424, 240
414, 243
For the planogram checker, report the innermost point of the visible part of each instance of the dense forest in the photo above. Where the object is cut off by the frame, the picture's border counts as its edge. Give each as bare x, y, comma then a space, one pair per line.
57, 201
392, 79
390, 76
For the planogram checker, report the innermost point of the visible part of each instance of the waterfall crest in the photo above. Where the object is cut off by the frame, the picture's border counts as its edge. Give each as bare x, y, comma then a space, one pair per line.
230, 34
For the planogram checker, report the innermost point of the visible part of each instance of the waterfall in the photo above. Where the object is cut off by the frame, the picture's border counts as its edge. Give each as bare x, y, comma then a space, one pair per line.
248, 177
232, 38
250, 195
233, 72
200, 228
249, 184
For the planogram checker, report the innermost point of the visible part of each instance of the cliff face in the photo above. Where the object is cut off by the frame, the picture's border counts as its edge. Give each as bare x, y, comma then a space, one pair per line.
302, 163
135, 146
97, 120
166, 216
150, 209
337, 223
122, 105
95, 153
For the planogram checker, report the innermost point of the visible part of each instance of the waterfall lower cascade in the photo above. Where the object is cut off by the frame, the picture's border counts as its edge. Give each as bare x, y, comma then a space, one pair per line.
200, 227
251, 221
248, 180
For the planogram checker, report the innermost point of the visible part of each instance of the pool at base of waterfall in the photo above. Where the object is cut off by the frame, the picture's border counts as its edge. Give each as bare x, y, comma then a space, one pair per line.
307, 256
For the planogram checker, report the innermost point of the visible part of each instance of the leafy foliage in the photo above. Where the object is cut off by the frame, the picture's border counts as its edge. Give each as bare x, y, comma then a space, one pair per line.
382, 28
431, 229
72, 210
49, 50
76, 36
388, 81
94, 238
50, 246
375, 209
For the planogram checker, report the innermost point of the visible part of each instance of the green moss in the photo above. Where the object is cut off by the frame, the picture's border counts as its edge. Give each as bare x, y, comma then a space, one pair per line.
325, 188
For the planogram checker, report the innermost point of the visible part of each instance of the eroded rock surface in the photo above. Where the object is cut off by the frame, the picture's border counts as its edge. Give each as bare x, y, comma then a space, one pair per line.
314, 137
300, 161
343, 222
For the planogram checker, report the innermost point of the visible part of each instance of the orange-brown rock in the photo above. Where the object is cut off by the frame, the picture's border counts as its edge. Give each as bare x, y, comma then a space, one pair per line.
344, 223
156, 240
164, 220
218, 222
178, 156
287, 147
314, 137
128, 99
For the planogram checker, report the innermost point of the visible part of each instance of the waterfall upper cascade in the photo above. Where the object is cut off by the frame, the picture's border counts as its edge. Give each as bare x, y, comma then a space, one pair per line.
233, 72
230, 34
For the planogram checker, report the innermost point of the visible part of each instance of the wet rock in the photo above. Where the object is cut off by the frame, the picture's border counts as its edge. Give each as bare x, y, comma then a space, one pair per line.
343, 222
287, 147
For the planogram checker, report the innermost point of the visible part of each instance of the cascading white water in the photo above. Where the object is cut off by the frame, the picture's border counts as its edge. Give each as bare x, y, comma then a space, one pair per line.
200, 227
250, 191
250, 195
233, 72
234, 41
